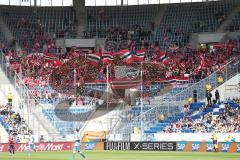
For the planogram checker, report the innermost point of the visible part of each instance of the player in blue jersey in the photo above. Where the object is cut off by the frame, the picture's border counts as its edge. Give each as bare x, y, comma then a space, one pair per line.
31, 145
77, 145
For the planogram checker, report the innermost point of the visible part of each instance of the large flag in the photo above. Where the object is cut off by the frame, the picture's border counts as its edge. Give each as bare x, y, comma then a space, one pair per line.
107, 57
139, 55
93, 58
125, 55
163, 57
50, 57
125, 77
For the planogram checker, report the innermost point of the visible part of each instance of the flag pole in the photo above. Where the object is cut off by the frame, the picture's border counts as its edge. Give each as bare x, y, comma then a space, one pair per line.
74, 77
107, 85
109, 124
141, 104
75, 96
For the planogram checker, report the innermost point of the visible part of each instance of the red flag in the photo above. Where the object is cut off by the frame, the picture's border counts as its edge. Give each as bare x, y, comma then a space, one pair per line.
139, 55
163, 57
107, 57
49, 57
93, 58
126, 56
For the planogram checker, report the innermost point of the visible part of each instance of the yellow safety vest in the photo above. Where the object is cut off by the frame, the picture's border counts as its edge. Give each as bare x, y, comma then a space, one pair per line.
10, 96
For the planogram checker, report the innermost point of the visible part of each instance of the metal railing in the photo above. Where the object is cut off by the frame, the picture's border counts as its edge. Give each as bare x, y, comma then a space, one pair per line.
31, 109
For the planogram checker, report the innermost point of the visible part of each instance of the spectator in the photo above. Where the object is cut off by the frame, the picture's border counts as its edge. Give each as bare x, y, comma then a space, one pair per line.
217, 96
10, 98
209, 97
161, 117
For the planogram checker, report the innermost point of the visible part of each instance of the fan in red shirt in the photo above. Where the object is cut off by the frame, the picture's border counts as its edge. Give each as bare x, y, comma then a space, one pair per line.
11, 145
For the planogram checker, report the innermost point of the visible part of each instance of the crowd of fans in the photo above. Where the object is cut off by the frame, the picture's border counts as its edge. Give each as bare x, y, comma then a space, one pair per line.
227, 121
66, 72
13, 123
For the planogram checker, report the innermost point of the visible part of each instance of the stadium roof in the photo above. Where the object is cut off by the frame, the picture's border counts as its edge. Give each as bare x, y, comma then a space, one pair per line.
38, 2
93, 2
136, 2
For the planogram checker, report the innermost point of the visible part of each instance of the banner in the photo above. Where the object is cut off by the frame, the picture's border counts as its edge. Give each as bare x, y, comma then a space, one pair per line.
209, 146
225, 146
238, 147
189, 146
54, 146
119, 146
141, 146
181, 146
93, 146
196, 146
154, 146
90, 145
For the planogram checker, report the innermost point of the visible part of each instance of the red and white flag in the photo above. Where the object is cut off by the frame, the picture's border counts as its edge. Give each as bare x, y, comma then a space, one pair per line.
93, 58
163, 57
49, 57
125, 55
107, 57
139, 55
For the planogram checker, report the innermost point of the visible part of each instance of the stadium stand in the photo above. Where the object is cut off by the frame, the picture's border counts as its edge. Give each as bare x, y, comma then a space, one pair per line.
177, 24
13, 122
234, 26
201, 118
38, 29
181, 20
53, 75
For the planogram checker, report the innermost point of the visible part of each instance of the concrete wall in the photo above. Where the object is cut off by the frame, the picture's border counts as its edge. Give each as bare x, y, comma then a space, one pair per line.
229, 89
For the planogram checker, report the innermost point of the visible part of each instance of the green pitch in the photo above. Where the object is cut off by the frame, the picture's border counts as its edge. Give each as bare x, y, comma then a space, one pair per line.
123, 155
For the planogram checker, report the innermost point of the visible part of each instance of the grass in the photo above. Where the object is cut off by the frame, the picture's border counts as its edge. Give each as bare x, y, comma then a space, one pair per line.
123, 155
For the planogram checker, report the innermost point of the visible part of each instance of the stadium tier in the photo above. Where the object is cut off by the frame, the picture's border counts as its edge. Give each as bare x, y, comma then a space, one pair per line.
39, 28
112, 77
234, 26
